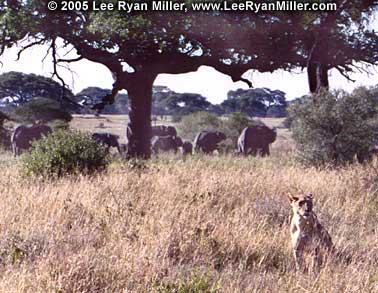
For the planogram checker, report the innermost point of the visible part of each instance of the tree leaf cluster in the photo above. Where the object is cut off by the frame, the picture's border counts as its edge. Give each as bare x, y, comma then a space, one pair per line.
334, 127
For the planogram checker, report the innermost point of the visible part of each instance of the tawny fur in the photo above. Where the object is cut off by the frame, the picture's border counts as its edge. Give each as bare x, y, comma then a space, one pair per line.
307, 234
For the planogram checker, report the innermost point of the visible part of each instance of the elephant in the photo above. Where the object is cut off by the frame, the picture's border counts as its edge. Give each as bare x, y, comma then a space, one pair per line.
165, 143
207, 141
23, 136
107, 139
162, 130
186, 148
256, 139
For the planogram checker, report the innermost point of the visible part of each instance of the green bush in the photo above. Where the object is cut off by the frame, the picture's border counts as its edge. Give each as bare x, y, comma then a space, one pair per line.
332, 127
64, 152
59, 125
191, 124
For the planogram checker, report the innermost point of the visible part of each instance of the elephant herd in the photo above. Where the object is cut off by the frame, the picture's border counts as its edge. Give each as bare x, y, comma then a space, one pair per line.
23, 136
252, 140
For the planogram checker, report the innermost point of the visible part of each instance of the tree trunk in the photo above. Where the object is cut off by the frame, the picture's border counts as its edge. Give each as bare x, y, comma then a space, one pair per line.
317, 65
317, 76
139, 128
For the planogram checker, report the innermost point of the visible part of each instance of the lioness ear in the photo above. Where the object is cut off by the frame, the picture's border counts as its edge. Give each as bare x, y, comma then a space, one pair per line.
292, 198
310, 195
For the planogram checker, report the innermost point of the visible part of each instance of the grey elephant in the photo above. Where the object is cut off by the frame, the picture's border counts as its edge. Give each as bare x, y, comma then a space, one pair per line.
186, 148
162, 130
165, 143
207, 141
255, 140
23, 136
108, 140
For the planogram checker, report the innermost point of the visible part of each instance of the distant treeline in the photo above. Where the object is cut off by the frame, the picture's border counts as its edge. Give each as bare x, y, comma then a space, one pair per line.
18, 89
256, 102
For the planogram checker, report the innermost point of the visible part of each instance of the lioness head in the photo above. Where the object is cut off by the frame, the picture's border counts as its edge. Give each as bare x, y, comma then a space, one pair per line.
301, 204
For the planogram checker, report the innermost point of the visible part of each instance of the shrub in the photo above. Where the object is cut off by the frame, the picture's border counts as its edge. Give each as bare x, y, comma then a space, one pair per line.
332, 127
59, 125
191, 124
64, 152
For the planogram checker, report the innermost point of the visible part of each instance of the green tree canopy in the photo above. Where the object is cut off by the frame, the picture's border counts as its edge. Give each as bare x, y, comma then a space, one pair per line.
91, 96
41, 109
19, 88
254, 102
186, 103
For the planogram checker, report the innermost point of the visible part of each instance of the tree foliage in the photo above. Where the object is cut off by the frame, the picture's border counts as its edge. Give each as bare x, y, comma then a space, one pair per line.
258, 102
64, 152
41, 109
334, 127
91, 96
19, 88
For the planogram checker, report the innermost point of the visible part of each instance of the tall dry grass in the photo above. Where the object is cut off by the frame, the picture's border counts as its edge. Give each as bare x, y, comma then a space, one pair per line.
216, 223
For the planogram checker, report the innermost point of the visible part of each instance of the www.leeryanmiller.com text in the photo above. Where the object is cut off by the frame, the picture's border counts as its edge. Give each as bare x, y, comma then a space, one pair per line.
159, 5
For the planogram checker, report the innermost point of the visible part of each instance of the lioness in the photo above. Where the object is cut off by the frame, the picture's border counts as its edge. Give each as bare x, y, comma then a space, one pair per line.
307, 234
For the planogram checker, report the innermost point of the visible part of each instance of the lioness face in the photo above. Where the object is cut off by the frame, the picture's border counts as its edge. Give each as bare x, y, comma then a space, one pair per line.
302, 204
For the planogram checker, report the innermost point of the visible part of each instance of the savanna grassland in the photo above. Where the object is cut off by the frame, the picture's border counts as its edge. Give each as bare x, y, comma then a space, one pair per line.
204, 224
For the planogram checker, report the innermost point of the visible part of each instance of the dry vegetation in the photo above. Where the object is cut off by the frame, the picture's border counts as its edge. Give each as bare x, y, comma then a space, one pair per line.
218, 223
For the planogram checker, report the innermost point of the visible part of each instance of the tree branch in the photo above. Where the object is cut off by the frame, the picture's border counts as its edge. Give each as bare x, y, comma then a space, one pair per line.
39, 42
70, 60
342, 72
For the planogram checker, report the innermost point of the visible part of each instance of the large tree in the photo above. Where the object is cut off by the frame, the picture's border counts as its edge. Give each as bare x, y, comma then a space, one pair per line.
41, 109
19, 88
185, 103
91, 96
138, 46
254, 102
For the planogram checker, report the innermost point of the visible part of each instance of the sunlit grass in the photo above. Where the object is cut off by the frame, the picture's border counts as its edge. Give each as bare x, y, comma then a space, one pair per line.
219, 223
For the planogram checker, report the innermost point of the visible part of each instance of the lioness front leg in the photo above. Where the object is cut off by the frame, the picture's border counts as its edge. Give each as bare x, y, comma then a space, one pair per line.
298, 256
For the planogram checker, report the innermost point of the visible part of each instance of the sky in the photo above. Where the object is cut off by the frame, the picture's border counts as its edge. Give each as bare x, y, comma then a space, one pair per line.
206, 80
